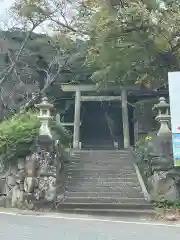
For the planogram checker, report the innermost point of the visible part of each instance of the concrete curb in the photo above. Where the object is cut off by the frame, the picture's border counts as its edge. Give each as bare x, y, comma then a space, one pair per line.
74, 217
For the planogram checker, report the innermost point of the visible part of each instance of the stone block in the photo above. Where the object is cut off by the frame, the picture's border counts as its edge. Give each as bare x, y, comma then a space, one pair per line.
162, 187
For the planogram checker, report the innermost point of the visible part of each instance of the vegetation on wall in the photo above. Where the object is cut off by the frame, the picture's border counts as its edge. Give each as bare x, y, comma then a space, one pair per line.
142, 158
140, 148
60, 133
18, 134
145, 115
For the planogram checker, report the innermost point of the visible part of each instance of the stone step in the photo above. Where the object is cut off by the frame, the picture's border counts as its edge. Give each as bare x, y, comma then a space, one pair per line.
108, 180
98, 185
116, 170
100, 173
103, 162
102, 200
118, 167
125, 204
117, 156
109, 147
101, 168
94, 153
100, 151
104, 211
106, 175
101, 165
96, 157
101, 159
126, 208
101, 183
100, 189
109, 156
107, 195
102, 177
96, 176
100, 154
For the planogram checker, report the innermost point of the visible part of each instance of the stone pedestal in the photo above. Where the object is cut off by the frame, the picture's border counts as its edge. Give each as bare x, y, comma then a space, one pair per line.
33, 181
162, 186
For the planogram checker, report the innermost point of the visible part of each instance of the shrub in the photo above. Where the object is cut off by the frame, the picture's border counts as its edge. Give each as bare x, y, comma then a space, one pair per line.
140, 148
18, 134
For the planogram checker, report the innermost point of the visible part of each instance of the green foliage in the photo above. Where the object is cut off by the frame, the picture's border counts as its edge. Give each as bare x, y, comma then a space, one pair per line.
138, 43
128, 41
31, 11
141, 147
60, 133
41, 52
142, 159
167, 204
144, 114
16, 136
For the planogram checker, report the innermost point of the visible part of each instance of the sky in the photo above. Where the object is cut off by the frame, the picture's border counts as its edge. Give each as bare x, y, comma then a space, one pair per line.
7, 22
4, 5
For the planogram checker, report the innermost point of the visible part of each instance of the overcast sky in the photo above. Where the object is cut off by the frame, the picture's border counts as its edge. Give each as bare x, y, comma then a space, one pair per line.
4, 5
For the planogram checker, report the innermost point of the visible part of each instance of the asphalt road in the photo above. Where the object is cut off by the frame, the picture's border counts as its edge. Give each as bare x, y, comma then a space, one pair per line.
75, 228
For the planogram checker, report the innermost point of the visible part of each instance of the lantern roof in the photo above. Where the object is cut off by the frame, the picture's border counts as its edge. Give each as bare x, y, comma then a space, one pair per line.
44, 104
162, 104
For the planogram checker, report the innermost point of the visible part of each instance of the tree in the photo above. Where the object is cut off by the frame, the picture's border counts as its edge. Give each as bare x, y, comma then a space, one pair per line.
124, 42
37, 62
134, 42
39, 59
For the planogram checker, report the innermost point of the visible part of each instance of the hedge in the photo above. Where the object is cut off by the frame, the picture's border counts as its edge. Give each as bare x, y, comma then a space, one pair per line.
18, 134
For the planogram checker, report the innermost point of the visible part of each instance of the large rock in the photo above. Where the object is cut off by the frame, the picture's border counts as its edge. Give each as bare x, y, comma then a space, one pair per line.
162, 187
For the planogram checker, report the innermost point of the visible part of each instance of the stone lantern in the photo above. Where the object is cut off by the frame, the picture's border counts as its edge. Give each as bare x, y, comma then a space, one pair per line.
164, 181
44, 116
163, 117
160, 146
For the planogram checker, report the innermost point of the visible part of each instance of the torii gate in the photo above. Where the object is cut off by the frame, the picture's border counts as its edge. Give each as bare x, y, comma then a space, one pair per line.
78, 89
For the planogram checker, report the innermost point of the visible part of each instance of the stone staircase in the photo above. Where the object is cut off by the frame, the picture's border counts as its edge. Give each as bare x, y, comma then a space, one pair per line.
97, 144
104, 181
